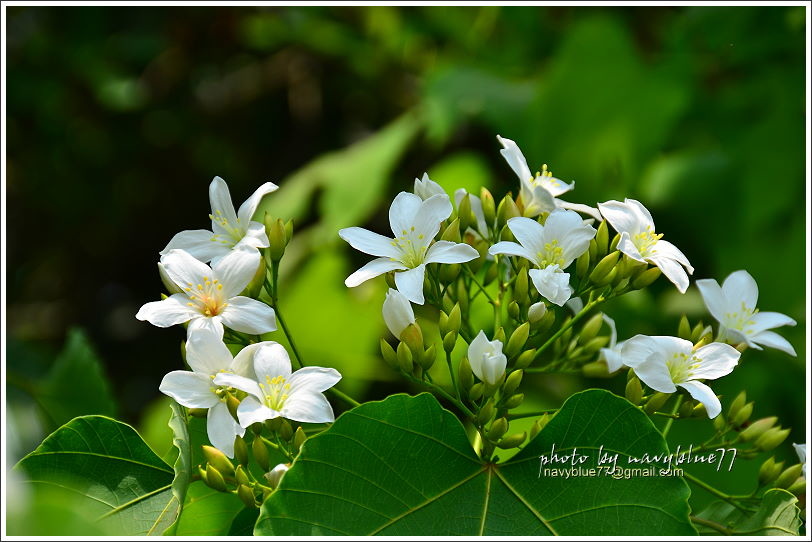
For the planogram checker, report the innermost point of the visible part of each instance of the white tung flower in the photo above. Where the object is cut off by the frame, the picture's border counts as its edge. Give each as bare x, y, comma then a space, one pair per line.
210, 297
663, 363
539, 193
274, 476
397, 312
486, 358
639, 240
230, 229
208, 356
551, 247
276, 392
734, 306
425, 188
414, 222
800, 449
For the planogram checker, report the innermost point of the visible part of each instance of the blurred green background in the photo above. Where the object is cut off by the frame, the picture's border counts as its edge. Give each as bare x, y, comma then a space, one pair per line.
119, 117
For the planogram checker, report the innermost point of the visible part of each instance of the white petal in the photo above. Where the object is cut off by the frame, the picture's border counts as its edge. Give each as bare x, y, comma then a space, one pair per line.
198, 243
248, 315
512, 249
410, 283
376, 267
199, 322
243, 363
568, 228
185, 270
528, 232
646, 355
430, 214
741, 287
236, 270
313, 379
612, 329
552, 284
167, 312
206, 354
536, 200
536, 311
305, 406
704, 395
252, 411
222, 429
402, 213
397, 312
271, 361
800, 449
771, 339
627, 247
653, 372
643, 215
515, 159
554, 186
575, 304
637, 350
716, 360
220, 200
664, 249
673, 271
448, 252
768, 320
255, 237
613, 358
493, 367
425, 187
713, 297
190, 389
369, 242
621, 217
249, 207
241, 383
477, 351
580, 208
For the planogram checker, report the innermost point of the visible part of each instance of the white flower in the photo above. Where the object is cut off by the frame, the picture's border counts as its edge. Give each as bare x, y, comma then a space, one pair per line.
208, 356
486, 358
536, 312
800, 449
210, 297
481, 228
639, 241
734, 306
229, 229
614, 353
551, 247
415, 223
276, 392
397, 312
539, 193
663, 363
426, 188
275, 475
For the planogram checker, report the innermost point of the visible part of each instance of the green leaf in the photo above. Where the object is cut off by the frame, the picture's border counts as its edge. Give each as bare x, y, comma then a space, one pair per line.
111, 471
404, 466
208, 512
778, 515
183, 464
243, 524
76, 384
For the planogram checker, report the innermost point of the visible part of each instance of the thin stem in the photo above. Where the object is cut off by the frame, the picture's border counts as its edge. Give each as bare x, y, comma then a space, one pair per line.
520, 415
712, 524
670, 420
479, 285
453, 376
442, 392
712, 490
568, 325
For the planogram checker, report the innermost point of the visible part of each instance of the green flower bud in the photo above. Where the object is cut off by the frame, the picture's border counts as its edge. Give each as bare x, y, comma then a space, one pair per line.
428, 357
449, 341
482, 247
261, 455
499, 335
507, 209
593, 251
254, 287
634, 391
686, 409
582, 265
218, 460
488, 205
719, 422
405, 360
442, 323
214, 479
299, 437
202, 473
389, 355
646, 278
604, 267
743, 414
608, 278
232, 403
656, 402
684, 329
538, 425
241, 476
699, 411
455, 319
614, 243
697, 332
390, 280
514, 311
288, 230
798, 488
769, 471
546, 322
512, 382
512, 441
788, 477
595, 369
514, 401
277, 236
736, 405
525, 359
591, 328
757, 428
413, 337
596, 344
240, 450
517, 340
466, 375
273, 424
199, 412
449, 272
246, 495
465, 216
476, 391
521, 287
486, 413
452, 231
602, 239
498, 429
285, 430
771, 438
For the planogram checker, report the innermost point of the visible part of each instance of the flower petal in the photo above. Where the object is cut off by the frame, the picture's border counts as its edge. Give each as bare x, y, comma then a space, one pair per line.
448, 252
314, 379
643, 215
241, 383
554, 186
248, 315
672, 270
477, 350
715, 360
221, 205
190, 389
212, 324
252, 411
528, 232
255, 237
580, 208
713, 297
376, 267
512, 249
307, 407
236, 270
222, 429
185, 270
613, 357
206, 354
552, 284
243, 363
402, 213
397, 312
425, 187
627, 247
664, 249
410, 283
704, 395
515, 159
621, 217
249, 207
430, 214
771, 339
369, 242
198, 243
271, 361
167, 312
536, 199
568, 228
741, 287
768, 320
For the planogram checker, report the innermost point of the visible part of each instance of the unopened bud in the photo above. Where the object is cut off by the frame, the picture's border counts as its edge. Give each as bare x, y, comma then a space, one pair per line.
512, 382
299, 438
277, 236
697, 332
686, 409
452, 231
512, 441
413, 337
488, 206
498, 429
449, 272
521, 286
288, 231
233, 404
486, 413
449, 341
507, 209
273, 424
405, 360
736, 405
684, 329
466, 375
490, 275
517, 340
582, 265
769, 471
389, 355
699, 411
514, 311
218, 460
428, 357
240, 450
591, 328
214, 479
646, 278
465, 216
789, 476
514, 401
246, 495
798, 487
743, 414
719, 422
595, 369
593, 250
656, 402
390, 280
199, 412
602, 239
260, 452
525, 359
499, 335
604, 267
634, 391
476, 391
536, 313
757, 428
241, 476
614, 243
285, 430
771, 438
454, 319
596, 344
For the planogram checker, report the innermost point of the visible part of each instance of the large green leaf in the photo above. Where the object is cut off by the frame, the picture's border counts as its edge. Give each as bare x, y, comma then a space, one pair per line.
778, 515
404, 466
110, 470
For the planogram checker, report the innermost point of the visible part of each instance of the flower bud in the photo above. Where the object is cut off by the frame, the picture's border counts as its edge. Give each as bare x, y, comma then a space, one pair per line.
218, 460
602, 239
465, 374
536, 312
260, 452
595, 369
240, 450
514, 311
273, 424
634, 391
285, 430
769, 471
486, 413
789, 476
397, 313
771, 438
596, 344
798, 488
699, 411
582, 265
593, 250
498, 429
449, 341
233, 404
757, 428
539, 424
512, 441
390, 280
413, 337
525, 359
199, 412
517, 340
656, 402
684, 329
241, 476
514, 401
299, 438
507, 209
452, 231
499, 334
743, 414
604, 267
246, 495
277, 236
488, 206
719, 422
697, 332
521, 286
486, 359
646, 278
405, 360
736, 405
449, 272
454, 319
512, 382
591, 328
428, 357
214, 479
288, 230
614, 243
476, 391
389, 355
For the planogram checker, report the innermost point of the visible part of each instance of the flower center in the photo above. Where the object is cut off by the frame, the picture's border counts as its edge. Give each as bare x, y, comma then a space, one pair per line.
234, 230
206, 297
553, 254
741, 320
681, 367
276, 391
645, 240
412, 247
